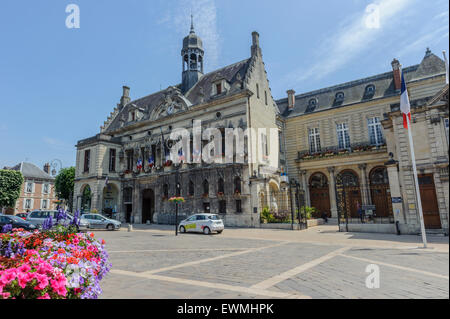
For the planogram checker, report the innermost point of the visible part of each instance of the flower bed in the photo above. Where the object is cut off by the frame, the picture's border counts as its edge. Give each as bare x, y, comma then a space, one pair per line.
51, 264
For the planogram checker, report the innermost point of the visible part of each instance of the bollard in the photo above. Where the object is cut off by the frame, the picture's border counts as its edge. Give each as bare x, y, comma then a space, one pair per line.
130, 227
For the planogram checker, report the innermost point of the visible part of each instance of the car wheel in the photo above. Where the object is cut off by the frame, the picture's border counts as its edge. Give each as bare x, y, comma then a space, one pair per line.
206, 231
182, 229
219, 231
110, 227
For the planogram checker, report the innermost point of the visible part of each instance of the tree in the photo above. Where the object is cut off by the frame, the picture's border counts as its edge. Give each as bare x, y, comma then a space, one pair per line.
64, 183
10, 186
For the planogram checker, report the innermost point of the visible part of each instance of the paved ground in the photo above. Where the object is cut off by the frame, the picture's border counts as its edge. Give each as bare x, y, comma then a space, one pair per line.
151, 262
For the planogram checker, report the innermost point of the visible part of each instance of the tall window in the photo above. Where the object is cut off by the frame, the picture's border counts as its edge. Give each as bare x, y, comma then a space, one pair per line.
221, 186
191, 188
257, 90
222, 206
219, 88
264, 146
446, 129
237, 185
130, 160
343, 137
375, 131
45, 188
314, 140
238, 206
112, 160
27, 204
265, 96
29, 187
44, 204
87, 159
205, 188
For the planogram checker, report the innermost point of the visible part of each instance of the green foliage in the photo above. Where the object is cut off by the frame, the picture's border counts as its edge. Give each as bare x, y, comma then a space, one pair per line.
10, 186
266, 215
64, 183
310, 211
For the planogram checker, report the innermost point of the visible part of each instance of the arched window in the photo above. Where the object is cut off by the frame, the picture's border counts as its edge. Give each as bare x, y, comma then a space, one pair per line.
191, 188
339, 96
379, 176
369, 92
205, 187
318, 180
349, 178
221, 186
237, 185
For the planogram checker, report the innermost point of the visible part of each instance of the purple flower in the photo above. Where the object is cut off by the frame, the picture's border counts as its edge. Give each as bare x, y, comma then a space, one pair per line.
7, 228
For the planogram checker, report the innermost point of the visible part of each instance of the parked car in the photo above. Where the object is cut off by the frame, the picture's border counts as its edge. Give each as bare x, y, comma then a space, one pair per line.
38, 217
97, 221
202, 223
16, 222
22, 215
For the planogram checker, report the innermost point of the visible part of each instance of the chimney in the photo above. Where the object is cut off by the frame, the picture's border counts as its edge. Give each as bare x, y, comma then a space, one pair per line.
125, 99
397, 77
47, 168
291, 99
256, 50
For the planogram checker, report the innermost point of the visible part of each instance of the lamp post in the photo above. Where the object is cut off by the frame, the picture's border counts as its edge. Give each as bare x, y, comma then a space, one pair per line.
176, 203
54, 164
291, 184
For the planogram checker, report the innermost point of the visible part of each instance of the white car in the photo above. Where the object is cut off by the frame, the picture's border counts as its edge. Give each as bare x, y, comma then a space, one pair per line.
202, 223
100, 222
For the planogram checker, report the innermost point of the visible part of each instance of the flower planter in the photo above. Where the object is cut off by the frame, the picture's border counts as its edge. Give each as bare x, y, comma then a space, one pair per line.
51, 264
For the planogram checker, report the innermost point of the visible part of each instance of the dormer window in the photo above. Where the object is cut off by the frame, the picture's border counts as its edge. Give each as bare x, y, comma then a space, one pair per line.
133, 116
369, 92
219, 88
311, 105
340, 96
370, 89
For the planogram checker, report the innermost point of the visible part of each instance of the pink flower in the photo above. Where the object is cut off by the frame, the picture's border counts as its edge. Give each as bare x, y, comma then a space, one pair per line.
58, 287
5, 295
24, 268
8, 276
46, 296
42, 282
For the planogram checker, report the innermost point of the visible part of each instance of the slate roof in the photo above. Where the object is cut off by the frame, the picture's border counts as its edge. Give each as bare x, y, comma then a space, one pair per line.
30, 170
194, 95
355, 91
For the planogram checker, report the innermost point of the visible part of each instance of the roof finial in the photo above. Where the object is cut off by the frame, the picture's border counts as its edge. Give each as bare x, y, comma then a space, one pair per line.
192, 24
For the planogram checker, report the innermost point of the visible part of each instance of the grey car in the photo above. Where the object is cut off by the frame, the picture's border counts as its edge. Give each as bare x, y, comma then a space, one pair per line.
97, 221
38, 217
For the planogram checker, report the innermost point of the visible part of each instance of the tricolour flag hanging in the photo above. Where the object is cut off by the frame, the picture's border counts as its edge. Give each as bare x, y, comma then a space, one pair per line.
139, 164
151, 161
405, 107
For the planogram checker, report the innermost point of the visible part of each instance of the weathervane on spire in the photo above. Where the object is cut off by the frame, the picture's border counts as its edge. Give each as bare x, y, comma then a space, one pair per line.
192, 23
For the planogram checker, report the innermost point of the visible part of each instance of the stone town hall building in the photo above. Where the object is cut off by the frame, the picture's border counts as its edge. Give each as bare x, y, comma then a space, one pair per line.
236, 96
353, 130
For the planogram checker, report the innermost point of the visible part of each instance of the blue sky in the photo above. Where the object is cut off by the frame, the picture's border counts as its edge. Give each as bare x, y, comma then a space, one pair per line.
58, 85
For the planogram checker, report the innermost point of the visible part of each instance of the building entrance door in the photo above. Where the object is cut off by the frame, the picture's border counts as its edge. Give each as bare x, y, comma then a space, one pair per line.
148, 205
430, 206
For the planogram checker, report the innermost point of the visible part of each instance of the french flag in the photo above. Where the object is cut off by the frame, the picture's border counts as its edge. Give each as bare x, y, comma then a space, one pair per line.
139, 164
405, 107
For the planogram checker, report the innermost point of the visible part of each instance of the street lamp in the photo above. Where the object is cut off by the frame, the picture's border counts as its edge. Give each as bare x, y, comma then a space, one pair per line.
54, 164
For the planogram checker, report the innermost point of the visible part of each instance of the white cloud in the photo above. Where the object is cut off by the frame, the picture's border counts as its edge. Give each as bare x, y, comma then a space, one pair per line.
205, 25
351, 39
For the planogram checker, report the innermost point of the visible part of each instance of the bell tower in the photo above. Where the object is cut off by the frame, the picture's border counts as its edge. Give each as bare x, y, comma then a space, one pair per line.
192, 59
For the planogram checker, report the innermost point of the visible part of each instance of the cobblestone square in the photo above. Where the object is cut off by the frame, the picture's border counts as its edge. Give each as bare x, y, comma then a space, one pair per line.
151, 262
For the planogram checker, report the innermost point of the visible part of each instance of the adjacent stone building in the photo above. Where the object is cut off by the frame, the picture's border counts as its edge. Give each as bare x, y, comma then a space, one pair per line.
124, 168
38, 189
355, 130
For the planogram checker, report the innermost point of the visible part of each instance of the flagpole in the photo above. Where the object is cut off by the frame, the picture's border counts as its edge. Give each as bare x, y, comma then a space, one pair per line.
416, 182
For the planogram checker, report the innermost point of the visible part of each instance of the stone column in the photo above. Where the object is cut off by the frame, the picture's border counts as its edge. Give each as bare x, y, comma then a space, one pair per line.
394, 185
332, 191
305, 187
366, 198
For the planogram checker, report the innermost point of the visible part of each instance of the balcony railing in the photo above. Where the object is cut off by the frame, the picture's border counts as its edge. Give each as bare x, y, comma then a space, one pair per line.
331, 151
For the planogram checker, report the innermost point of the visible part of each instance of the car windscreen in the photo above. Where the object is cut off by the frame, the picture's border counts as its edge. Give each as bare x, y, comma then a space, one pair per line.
16, 219
214, 217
